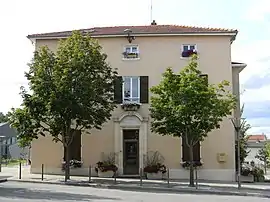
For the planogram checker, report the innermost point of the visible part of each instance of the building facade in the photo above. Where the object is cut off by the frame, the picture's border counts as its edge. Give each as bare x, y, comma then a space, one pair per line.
141, 54
254, 144
8, 142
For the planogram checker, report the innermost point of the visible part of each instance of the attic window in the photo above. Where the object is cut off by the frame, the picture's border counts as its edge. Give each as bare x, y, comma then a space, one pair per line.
188, 50
131, 52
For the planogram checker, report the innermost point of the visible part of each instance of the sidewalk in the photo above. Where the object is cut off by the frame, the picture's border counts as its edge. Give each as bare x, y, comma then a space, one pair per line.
262, 190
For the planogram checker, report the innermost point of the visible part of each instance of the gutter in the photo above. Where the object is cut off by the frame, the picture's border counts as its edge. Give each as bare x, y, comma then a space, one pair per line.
232, 34
239, 66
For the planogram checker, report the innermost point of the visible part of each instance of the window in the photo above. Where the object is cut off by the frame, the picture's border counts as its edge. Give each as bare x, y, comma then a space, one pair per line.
131, 89
187, 47
14, 139
188, 50
131, 52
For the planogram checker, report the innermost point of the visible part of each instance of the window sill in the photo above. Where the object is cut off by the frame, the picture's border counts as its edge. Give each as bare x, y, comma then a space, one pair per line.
185, 58
125, 102
185, 162
128, 59
187, 168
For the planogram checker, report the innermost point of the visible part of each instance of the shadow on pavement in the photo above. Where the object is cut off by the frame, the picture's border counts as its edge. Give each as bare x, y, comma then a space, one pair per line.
23, 193
4, 177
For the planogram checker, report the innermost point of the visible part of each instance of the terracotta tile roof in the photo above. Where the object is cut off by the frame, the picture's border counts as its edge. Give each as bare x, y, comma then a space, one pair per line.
257, 137
148, 29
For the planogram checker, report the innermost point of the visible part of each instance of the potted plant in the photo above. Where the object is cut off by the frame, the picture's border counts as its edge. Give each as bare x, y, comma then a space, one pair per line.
130, 55
130, 106
154, 167
247, 173
188, 53
196, 164
72, 164
107, 167
258, 174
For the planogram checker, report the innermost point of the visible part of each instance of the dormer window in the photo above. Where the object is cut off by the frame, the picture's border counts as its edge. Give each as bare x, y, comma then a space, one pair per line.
188, 50
131, 52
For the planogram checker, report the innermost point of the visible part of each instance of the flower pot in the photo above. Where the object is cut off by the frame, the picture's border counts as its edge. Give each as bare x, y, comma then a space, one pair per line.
155, 176
130, 106
107, 174
249, 178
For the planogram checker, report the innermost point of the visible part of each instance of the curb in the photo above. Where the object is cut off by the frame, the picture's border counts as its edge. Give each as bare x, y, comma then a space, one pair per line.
151, 189
3, 180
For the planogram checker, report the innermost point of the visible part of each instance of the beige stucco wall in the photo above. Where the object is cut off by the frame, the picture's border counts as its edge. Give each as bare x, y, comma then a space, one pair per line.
156, 54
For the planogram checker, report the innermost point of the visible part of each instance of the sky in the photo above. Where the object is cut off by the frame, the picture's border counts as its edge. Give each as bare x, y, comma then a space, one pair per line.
252, 18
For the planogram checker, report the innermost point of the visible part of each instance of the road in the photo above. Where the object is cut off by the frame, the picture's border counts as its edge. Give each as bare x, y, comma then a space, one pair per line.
30, 192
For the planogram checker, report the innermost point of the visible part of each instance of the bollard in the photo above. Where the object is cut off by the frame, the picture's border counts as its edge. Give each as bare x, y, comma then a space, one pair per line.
168, 177
20, 170
114, 177
89, 174
42, 172
196, 177
141, 176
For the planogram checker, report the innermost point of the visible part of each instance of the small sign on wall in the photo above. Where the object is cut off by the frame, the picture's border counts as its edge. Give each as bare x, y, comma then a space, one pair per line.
221, 157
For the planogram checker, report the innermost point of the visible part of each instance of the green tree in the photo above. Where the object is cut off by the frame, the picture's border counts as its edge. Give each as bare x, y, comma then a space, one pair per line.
264, 155
21, 121
243, 140
3, 117
71, 89
185, 105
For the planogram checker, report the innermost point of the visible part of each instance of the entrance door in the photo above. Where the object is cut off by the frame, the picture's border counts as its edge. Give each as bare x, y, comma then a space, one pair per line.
131, 152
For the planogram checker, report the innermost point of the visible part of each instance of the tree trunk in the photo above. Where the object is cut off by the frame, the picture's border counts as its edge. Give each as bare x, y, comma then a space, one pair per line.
67, 167
191, 168
265, 167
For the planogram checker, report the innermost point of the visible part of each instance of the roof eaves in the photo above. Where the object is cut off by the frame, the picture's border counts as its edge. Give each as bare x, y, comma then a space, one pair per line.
64, 35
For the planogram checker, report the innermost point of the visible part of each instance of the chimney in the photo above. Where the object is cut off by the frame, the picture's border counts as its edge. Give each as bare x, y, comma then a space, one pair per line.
153, 23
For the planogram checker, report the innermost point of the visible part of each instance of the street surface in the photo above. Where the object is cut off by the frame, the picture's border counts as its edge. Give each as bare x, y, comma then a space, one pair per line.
30, 192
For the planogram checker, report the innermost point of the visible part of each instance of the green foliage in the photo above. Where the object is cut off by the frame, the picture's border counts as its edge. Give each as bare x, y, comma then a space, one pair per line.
70, 89
3, 117
184, 104
264, 154
243, 139
258, 174
21, 120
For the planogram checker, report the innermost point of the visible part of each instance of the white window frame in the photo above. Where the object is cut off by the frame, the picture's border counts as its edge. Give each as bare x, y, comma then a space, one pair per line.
131, 46
188, 45
182, 49
123, 90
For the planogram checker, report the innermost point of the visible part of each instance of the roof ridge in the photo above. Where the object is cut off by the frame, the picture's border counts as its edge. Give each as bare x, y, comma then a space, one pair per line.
164, 25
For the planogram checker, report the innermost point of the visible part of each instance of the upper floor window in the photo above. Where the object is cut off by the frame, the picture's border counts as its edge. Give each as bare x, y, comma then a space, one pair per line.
131, 89
188, 50
14, 139
131, 52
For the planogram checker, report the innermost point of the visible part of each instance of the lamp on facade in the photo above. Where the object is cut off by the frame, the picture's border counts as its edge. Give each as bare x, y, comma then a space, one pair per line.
238, 124
130, 38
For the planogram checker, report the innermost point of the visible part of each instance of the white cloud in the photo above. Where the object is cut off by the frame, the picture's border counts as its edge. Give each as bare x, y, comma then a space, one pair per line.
258, 10
260, 130
259, 126
255, 95
253, 54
